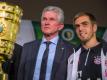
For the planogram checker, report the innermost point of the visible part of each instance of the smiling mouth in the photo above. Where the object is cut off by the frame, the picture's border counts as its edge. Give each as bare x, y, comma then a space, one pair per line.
82, 34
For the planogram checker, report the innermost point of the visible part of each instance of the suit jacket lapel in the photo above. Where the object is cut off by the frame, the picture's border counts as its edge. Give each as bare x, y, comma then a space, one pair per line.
57, 59
34, 52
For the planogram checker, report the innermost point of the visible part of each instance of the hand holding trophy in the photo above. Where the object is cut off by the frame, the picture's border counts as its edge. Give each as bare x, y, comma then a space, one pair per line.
10, 16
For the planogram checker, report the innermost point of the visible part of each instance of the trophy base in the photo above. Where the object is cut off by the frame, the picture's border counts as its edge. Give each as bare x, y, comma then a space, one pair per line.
3, 76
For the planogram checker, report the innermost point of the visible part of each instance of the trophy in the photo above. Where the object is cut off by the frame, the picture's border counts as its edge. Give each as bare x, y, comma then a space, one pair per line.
10, 16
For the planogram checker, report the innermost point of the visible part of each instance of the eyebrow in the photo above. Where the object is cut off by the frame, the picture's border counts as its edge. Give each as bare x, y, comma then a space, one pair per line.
84, 22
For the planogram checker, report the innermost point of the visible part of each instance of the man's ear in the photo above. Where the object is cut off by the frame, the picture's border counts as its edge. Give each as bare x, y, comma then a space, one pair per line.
61, 26
95, 27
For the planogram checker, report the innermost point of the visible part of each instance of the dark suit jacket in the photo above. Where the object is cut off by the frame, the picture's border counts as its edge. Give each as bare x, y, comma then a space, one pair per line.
29, 56
10, 66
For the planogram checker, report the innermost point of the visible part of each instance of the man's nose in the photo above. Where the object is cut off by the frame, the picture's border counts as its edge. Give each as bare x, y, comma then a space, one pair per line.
81, 27
47, 22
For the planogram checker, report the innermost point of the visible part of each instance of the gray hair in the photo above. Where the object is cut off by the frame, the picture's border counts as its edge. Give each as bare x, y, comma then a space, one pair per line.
57, 10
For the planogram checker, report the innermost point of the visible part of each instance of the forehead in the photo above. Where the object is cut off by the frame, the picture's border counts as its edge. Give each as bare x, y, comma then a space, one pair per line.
81, 19
50, 13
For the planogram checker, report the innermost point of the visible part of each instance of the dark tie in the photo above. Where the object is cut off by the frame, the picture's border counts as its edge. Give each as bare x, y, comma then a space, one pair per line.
44, 62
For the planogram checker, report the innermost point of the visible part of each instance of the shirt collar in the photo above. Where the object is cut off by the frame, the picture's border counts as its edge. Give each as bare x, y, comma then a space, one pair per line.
95, 49
54, 40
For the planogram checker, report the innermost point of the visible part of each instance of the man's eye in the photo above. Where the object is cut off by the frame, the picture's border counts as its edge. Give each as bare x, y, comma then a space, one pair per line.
44, 19
52, 19
85, 24
76, 26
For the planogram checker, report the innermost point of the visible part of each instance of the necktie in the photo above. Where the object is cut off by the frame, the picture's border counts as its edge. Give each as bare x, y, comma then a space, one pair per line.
44, 61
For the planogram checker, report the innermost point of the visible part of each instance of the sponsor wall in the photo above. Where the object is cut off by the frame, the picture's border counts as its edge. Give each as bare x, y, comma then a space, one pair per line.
68, 33
30, 30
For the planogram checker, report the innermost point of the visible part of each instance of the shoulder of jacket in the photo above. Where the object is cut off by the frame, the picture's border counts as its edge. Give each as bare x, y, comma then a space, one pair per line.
68, 44
32, 42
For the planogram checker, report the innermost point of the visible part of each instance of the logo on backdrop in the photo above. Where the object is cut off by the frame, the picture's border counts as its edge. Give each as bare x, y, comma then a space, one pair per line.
67, 34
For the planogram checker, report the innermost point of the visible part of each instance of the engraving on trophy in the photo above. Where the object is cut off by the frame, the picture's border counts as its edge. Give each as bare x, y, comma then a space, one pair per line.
10, 16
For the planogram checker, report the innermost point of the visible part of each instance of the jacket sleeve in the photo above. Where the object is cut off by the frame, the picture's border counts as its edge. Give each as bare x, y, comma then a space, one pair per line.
21, 70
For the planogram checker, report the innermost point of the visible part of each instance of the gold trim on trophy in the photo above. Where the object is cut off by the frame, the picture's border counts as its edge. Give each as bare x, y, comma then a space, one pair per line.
10, 16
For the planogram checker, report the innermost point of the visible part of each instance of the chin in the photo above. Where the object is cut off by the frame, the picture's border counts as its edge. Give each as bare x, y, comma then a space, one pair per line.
47, 34
84, 40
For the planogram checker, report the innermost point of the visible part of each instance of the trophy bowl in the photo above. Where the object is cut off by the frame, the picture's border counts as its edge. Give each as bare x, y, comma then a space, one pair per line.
10, 17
